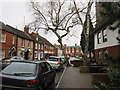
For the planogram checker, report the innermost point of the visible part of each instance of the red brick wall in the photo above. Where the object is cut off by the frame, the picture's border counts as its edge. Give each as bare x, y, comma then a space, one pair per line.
8, 43
113, 51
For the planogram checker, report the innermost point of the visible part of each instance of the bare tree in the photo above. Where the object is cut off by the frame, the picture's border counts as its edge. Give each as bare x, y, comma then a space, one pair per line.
56, 16
85, 24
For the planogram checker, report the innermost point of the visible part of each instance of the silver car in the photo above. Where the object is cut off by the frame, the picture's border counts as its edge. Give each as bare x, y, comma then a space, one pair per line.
55, 62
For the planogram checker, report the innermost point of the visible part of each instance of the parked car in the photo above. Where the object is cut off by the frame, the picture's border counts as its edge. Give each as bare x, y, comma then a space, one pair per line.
27, 75
6, 61
55, 62
63, 59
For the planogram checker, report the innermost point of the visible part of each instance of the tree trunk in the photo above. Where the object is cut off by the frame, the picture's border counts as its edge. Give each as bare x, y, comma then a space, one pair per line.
62, 48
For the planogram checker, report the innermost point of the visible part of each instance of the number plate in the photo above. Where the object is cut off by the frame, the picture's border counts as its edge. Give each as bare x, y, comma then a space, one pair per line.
51, 63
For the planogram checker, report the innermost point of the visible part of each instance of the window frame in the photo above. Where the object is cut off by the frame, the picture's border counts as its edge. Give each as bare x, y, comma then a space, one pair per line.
29, 44
2, 55
99, 38
13, 40
100, 56
1, 39
23, 43
104, 35
36, 46
36, 54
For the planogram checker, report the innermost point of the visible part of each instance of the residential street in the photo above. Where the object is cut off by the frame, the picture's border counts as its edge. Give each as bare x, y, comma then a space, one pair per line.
57, 78
60, 44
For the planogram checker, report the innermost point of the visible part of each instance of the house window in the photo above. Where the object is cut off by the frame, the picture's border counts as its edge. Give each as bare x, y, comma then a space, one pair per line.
99, 38
44, 46
3, 37
13, 40
35, 45
39, 46
41, 54
67, 49
35, 54
104, 35
105, 54
100, 55
23, 42
28, 44
2, 53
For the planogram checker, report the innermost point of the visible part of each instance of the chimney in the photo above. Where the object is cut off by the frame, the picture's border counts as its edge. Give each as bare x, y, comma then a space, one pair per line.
26, 29
65, 45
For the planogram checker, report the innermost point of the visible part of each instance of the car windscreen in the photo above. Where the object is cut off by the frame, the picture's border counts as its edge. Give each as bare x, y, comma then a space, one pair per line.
20, 69
53, 59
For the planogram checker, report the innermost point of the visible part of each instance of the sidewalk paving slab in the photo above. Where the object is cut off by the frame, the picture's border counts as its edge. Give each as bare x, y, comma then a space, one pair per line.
72, 78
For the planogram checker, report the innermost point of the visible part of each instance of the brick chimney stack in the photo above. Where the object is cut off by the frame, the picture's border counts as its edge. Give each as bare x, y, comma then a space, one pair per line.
26, 29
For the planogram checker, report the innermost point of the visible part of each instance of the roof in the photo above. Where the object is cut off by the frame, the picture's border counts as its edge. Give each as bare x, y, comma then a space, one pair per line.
5, 28
40, 38
15, 31
102, 24
28, 61
19, 33
73, 46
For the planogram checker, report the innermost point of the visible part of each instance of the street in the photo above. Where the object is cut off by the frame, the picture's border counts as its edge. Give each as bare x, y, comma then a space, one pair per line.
57, 78
59, 74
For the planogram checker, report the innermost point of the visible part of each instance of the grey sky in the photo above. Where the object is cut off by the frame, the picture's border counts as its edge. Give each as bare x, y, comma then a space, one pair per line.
17, 14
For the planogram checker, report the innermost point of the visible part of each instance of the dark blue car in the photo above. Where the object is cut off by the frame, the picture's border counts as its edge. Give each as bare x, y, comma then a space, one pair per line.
27, 75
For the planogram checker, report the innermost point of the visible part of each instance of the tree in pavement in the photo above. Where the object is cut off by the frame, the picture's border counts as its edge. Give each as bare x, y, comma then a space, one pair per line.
56, 16
87, 25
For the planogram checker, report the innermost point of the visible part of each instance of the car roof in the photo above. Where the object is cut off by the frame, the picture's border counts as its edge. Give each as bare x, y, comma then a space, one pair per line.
28, 61
54, 56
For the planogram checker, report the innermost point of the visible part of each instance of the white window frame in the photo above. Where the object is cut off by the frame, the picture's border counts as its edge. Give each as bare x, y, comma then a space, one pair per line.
29, 42
13, 39
104, 35
2, 53
36, 45
23, 42
41, 47
3, 36
99, 38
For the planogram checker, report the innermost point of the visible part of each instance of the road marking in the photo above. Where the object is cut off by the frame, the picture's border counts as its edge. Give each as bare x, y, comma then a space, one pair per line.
61, 78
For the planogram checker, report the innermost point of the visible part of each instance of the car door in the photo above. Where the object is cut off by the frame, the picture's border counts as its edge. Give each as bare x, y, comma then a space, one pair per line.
45, 74
51, 72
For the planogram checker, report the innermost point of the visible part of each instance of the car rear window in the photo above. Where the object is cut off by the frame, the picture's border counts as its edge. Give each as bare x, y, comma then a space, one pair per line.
20, 68
53, 59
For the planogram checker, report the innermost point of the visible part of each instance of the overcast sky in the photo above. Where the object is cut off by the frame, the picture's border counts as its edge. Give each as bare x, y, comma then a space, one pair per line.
17, 14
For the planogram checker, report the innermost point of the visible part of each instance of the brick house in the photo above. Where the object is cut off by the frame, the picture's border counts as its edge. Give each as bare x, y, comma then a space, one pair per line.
24, 44
59, 51
38, 47
42, 47
107, 47
73, 50
8, 42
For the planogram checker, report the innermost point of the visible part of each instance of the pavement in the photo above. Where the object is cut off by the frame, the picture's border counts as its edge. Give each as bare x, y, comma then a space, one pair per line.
72, 78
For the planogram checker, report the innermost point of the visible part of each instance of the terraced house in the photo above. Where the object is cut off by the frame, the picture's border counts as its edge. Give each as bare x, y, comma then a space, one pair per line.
24, 44
107, 47
42, 47
73, 50
8, 41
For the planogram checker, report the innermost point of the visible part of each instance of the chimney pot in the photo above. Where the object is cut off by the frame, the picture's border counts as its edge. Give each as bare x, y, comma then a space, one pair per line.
26, 29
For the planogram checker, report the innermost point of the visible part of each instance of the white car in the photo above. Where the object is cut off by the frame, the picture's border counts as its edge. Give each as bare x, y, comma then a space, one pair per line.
63, 59
55, 62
